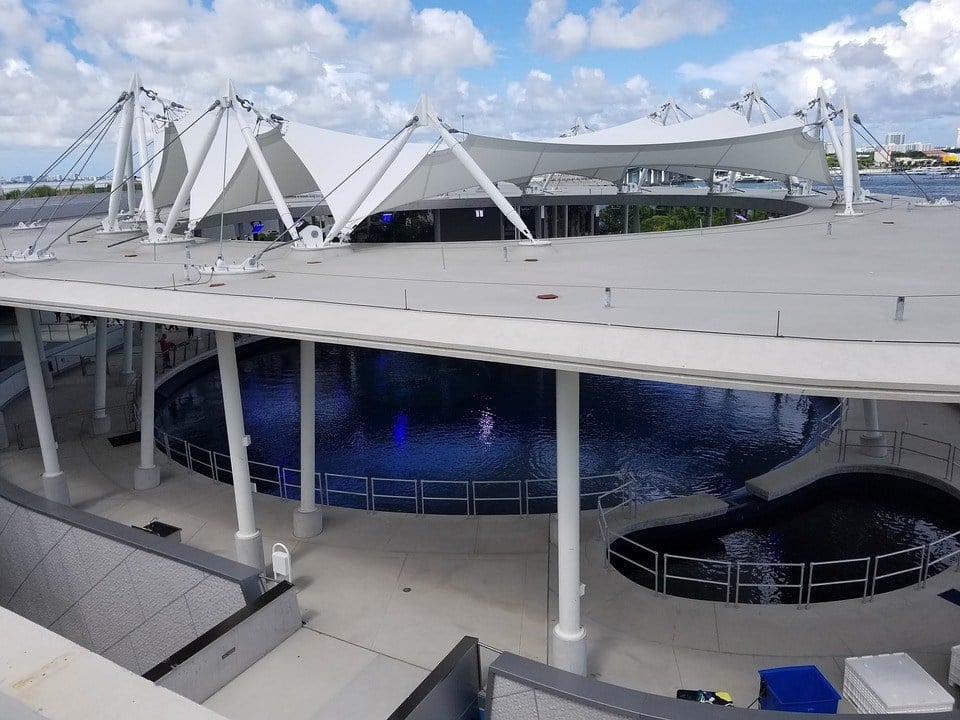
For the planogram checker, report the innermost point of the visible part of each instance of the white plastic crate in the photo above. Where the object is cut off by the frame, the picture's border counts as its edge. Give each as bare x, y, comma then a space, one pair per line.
954, 678
892, 683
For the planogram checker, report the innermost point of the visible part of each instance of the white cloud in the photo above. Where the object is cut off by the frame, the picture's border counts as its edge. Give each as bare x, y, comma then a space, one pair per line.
909, 68
299, 58
609, 25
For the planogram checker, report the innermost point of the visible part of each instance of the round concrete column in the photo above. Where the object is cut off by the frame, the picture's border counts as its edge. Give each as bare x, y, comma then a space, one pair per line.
147, 475
307, 519
568, 641
248, 539
54, 481
100, 422
127, 375
871, 442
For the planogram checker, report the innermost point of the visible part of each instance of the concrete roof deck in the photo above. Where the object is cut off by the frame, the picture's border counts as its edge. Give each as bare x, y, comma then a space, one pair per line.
804, 303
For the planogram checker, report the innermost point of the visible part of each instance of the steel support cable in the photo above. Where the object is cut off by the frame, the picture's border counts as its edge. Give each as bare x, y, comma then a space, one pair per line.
115, 109
276, 241
106, 126
125, 179
85, 156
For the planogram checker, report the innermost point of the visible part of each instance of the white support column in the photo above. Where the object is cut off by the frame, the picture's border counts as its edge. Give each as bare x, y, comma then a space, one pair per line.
346, 215
100, 422
307, 519
120, 159
54, 481
147, 475
568, 640
849, 167
184, 193
146, 179
871, 442
127, 375
266, 175
483, 181
44, 366
131, 183
248, 539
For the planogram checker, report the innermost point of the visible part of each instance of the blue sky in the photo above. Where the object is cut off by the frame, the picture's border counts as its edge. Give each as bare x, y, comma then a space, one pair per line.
521, 69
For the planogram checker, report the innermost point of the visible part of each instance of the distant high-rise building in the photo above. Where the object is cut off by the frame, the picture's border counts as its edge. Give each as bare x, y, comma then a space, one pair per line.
958, 138
895, 138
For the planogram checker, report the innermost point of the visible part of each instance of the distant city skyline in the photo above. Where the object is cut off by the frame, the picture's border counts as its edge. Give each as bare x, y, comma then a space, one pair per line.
508, 69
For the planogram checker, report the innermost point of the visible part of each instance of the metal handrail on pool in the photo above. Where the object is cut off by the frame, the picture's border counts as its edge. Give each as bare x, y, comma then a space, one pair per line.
822, 563
375, 493
724, 563
918, 568
797, 586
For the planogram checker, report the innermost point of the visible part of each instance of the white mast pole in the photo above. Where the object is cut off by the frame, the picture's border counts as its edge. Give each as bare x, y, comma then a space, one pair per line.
261, 162
184, 193
120, 158
146, 181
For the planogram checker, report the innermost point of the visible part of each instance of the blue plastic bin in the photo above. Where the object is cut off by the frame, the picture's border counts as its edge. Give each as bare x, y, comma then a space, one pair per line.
800, 688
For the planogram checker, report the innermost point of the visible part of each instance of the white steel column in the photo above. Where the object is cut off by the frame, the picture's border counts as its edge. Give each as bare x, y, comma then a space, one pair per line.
110, 223
47, 374
146, 179
127, 375
249, 542
54, 481
307, 519
871, 441
100, 421
147, 474
568, 640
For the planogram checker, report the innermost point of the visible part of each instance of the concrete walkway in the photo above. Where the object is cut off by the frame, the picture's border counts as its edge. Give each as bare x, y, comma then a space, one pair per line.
386, 595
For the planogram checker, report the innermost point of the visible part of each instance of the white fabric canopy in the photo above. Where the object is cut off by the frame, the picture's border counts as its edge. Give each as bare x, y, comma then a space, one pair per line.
304, 159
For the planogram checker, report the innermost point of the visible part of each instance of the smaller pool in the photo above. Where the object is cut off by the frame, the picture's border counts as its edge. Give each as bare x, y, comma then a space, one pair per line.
852, 517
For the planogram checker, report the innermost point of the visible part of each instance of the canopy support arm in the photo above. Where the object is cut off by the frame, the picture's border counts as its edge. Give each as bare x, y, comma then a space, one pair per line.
146, 180
265, 173
120, 158
184, 193
489, 187
375, 177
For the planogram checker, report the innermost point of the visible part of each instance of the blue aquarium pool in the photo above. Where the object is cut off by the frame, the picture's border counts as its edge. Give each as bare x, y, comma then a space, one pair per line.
447, 423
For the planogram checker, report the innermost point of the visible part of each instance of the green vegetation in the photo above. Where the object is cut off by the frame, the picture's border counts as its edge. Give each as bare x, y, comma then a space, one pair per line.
47, 191
647, 218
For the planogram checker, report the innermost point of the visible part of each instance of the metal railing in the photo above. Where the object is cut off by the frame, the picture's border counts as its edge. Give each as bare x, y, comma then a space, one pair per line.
918, 568
700, 562
843, 581
829, 423
769, 584
650, 567
413, 495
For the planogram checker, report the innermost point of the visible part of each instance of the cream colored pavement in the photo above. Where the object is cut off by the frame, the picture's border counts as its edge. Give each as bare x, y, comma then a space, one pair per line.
386, 595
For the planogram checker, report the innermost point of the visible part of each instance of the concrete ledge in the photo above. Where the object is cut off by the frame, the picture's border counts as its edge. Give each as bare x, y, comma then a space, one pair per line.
215, 658
674, 511
56, 678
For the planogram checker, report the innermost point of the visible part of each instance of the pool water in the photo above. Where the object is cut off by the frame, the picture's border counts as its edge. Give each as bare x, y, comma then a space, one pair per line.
844, 517
398, 415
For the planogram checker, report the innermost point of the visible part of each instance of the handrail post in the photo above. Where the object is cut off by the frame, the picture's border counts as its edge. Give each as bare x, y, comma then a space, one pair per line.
809, 584
729, 568
876, 569
803, 567
923, 562
866, 581
736, 592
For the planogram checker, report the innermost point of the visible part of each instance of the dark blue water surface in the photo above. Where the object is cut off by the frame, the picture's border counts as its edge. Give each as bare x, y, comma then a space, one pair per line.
842, 517
398, 415
907, 185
